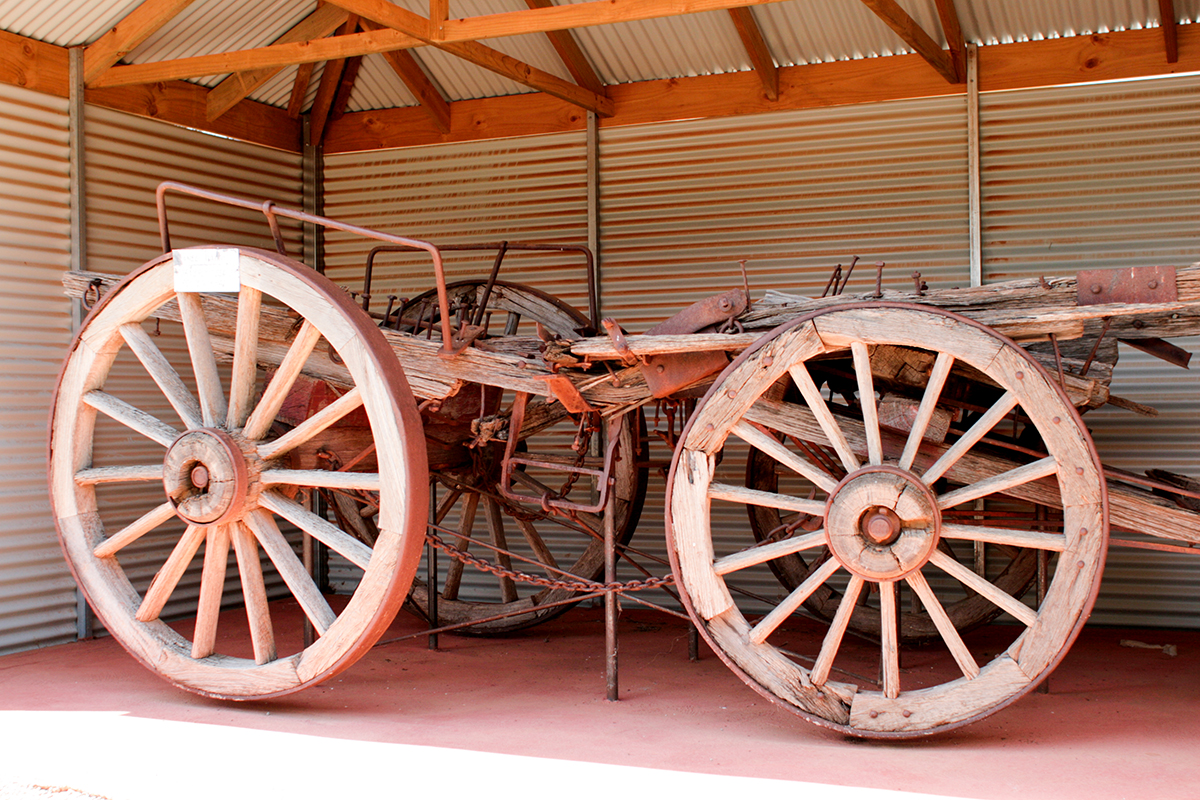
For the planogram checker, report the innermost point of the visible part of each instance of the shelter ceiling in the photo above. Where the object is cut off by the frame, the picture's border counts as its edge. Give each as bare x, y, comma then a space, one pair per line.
378, 73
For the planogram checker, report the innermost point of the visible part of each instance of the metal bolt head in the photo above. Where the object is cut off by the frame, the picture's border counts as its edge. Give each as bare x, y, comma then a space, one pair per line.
660, 369
199, 476
1097, 288
1153, 284
1020, 376
768, 361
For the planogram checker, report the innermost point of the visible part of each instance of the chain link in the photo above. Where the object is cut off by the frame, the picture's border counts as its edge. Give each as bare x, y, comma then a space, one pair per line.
578, 585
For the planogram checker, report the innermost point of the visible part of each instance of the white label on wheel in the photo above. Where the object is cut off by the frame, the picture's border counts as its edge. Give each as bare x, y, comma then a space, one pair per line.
207, 270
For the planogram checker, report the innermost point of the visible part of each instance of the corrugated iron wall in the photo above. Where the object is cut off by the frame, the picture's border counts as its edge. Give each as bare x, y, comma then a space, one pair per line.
1108, 176
37, 594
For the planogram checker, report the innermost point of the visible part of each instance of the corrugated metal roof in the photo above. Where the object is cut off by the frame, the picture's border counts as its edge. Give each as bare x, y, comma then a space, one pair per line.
797, 32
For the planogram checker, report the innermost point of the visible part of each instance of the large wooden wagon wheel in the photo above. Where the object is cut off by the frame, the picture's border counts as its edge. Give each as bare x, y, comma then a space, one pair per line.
888, 524
226, 474
469, 501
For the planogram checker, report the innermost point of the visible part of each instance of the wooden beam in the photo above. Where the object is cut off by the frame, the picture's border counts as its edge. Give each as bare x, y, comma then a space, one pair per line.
572, 55
135, 28
405, 65
300, 90
948, 14
1079, 59
577, 15
278, 55
34, 65
229, 92
526, 75
1167, 21
756, 48
322, 105
439, 12
385, 13
345, 87
914, 36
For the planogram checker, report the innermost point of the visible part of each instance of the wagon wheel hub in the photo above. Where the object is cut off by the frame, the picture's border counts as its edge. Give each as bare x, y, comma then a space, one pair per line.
207, 476
882, 523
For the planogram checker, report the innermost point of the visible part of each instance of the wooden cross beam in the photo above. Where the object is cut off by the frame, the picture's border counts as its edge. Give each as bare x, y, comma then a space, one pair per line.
914, 36
135, 28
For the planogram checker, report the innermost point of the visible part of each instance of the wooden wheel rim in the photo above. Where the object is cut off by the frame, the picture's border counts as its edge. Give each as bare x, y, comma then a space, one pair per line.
400, 449
847, 707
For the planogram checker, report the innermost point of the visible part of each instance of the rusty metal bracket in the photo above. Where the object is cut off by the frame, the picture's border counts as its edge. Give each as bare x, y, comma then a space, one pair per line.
618, 339
1160, 348
564, 391
1134, 285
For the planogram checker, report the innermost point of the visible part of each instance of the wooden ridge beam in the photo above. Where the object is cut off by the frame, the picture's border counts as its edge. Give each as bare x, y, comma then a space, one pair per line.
572, 55
756, 48
1167, 21
914, 36
137, 26
229, 92
278, 55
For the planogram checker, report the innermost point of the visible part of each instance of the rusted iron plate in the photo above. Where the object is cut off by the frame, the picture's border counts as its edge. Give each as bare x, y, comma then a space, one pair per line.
667, 374
709, 311
565, 392
1132, 285
1160, 348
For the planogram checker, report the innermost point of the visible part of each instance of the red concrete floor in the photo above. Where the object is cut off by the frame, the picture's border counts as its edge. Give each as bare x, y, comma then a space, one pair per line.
1119, 722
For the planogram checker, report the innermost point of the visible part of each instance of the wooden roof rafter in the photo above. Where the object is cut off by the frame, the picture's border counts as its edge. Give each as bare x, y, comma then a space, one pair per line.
1167, 20
429, 97
756, 47
915, 36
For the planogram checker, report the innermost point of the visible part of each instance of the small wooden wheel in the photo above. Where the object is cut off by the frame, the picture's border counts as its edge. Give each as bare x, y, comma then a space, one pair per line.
890, 516
225, 472
543, 545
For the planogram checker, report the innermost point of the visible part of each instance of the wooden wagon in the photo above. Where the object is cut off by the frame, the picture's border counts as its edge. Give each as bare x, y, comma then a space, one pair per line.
908, 466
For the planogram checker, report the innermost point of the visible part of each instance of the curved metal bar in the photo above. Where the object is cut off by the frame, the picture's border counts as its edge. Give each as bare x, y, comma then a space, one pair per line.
325, 222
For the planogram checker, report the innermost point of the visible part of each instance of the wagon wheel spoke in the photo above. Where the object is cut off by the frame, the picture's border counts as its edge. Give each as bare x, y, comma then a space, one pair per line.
962, 656
983, 587
495, 522
866, 400
305, 431
163, 374
820, 409
143, 473
291, 569
245, 357
998, 411
837, 629
322, 479
997, 484
204, 363
511, 323
889, 646
772, 447
262, 633
767, 625
319, 528
763, 553
135, 530
544, 554
285, 377
212, 588
754, 497
933, 392
1006, 536
466, 526
167, 578
133, 418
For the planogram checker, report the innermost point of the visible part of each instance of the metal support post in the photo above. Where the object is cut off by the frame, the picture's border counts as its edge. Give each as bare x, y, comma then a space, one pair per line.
431, 573
973, 166
611, 607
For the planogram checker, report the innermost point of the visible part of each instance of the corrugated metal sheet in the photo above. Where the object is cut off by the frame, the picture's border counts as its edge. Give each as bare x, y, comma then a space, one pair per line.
1107, 176
127, 157
794, 194
37, 594
675, 47
63, 23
